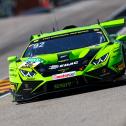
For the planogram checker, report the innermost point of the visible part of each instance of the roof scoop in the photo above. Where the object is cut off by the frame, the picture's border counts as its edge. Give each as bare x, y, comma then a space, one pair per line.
69, 27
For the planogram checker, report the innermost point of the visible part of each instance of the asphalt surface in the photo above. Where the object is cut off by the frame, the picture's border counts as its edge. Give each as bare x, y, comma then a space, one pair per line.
97, 108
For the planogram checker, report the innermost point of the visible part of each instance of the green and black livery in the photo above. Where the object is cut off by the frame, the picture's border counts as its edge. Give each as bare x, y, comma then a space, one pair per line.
67, 59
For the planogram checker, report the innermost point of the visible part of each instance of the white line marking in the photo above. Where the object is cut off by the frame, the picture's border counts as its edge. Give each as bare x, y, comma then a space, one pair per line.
5, 95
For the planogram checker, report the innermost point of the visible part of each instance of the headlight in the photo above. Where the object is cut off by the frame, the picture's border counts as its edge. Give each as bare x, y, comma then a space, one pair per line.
27, 73
100, 60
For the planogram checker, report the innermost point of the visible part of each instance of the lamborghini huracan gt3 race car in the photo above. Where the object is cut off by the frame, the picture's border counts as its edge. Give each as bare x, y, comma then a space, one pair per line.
68, 59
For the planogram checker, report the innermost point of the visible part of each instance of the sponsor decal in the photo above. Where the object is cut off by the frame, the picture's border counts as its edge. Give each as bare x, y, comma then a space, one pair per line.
64, 75
63, 85
53, 67
63, 57
31, 62
34, 60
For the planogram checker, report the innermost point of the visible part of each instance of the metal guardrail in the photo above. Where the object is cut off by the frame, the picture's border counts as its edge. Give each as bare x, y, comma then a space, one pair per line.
4, 86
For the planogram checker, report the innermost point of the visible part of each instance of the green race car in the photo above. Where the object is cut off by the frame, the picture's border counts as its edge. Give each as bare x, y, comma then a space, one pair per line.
67, 59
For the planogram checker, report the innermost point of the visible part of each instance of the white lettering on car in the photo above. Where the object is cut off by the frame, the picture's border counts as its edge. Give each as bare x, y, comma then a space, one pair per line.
63, 65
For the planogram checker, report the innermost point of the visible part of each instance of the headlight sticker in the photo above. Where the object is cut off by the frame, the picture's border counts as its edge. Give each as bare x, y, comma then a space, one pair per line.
27, 73
100, 60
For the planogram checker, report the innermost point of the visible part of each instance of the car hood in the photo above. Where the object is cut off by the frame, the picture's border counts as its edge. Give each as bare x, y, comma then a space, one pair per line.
87, 53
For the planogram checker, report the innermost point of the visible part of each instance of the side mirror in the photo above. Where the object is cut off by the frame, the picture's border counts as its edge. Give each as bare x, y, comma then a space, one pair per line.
121, 38
12, 58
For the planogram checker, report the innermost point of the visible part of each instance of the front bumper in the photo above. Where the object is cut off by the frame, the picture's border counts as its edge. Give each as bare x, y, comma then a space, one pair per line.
35, 88
26, 90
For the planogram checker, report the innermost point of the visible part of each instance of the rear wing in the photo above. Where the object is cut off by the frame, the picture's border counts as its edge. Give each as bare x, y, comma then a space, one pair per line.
113, 23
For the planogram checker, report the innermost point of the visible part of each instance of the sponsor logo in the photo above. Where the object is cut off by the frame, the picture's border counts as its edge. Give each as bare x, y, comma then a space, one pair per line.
63, 85
53, 67
34, 60
63, 56
63, 65
64, 75
31, 62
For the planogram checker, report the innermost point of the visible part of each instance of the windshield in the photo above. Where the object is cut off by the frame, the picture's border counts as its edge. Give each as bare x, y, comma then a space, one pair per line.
64, 43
